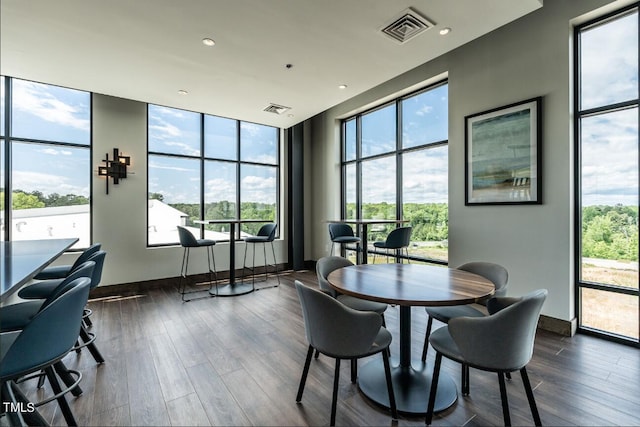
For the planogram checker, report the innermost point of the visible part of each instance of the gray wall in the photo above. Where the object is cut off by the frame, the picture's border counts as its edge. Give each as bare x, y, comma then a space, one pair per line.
527, 58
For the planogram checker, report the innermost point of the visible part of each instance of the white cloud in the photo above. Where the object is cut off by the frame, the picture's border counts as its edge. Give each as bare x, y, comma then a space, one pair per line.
33, 98
46, 183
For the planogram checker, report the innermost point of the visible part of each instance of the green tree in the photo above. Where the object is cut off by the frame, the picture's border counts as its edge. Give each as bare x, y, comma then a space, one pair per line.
21, 200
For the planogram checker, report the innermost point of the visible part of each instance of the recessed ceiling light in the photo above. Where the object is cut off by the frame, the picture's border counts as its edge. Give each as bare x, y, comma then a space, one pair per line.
342, 87
208, 42
445, 31
182, 92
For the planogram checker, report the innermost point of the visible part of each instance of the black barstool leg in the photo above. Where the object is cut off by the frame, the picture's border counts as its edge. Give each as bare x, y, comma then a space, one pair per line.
334, 400
275, 264
33, 418
434, 388
91, 346
14, 417
253, 270
266, 264
62, 401
244, 262
66, 377
426, 339
317, 354
505, 401
305, 371
530, 397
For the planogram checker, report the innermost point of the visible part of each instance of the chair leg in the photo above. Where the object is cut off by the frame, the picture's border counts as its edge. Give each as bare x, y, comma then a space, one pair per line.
392, 396
317, 354
334, 399
465, 379
530, 397
66, 377
183, 273
305, 371
505, 401
62, 401
425, 347
508, 375
211, 254
14, 394
14, 417
354, 370
91, 346
434, 388
275, 264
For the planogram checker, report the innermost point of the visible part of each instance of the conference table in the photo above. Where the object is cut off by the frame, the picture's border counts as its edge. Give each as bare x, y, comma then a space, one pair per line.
232, 288
409, 285
363, 225
23, 259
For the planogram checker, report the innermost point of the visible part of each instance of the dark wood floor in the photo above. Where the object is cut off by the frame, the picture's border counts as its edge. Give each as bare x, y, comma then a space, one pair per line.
237, 361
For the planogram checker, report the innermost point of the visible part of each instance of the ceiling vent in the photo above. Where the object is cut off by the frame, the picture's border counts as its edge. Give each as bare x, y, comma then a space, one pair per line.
408, 25
277, 109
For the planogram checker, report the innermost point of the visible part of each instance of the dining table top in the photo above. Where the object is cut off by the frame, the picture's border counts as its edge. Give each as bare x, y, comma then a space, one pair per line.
367, 221
411, 284
23, 259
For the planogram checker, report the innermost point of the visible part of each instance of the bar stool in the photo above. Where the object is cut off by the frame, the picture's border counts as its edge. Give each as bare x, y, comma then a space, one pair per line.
188, 241
266, 234
341, 234
42, 344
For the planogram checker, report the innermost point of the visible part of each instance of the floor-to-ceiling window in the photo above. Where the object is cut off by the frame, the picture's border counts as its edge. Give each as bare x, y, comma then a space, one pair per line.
395, 166
209, 167
607, 96
46, 171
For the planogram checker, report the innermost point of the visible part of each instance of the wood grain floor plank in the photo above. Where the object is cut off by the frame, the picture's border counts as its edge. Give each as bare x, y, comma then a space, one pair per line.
238, 361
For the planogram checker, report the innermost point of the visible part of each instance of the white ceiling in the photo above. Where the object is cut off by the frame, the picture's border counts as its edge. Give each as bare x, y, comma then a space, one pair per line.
147, 50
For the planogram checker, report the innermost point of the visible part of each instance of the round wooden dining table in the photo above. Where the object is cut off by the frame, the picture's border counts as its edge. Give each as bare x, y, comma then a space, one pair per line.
408, 285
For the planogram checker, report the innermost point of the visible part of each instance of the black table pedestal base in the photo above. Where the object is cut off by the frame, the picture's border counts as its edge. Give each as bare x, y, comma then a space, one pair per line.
229, 290
410, 385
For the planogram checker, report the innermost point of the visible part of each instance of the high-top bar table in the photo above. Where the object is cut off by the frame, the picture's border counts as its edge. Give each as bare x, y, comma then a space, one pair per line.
363, 225
409, 285
232, 288
23, 259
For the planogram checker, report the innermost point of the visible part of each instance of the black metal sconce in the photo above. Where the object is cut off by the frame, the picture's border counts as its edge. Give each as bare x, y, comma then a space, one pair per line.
115, 168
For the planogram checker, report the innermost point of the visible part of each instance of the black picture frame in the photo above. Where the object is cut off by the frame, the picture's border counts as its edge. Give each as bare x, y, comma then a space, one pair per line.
503, 155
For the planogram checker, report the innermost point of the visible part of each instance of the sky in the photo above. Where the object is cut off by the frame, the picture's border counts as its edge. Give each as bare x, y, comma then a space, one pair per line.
609, 73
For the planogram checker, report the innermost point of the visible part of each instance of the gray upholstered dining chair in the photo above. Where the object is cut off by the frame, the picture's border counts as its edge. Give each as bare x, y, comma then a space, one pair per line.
188, 241
340, 332
266, 234
341, 234
398, 239
498, 275
501, 342
324, 267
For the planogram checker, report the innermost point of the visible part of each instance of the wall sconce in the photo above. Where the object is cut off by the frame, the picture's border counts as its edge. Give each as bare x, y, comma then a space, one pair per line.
115, 168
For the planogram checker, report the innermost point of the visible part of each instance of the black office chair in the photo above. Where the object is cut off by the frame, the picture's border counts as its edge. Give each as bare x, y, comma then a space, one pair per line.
339, 332
40, 345
266, 234
62, 271
188, 241
398, 239
341, 234
501, 342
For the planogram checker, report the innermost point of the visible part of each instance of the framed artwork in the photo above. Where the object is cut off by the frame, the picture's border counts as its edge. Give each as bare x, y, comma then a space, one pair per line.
503, 155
